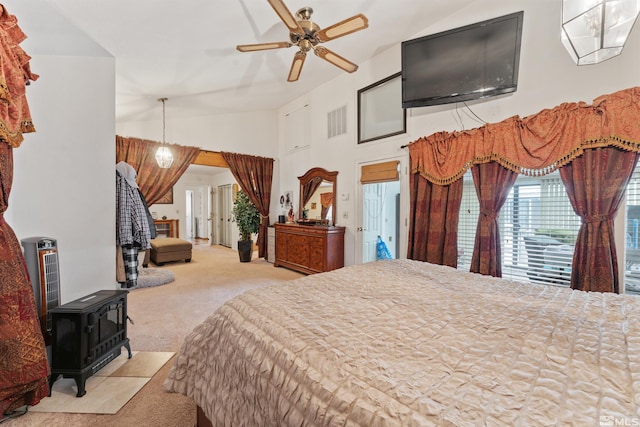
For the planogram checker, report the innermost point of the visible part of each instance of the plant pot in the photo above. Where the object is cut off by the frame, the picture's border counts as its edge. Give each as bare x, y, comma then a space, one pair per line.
245, 250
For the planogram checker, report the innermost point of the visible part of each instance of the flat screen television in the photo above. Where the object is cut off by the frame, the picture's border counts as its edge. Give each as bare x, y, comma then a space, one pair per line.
470, 62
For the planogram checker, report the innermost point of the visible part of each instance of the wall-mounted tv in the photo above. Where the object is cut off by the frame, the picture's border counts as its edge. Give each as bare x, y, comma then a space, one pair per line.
470, 62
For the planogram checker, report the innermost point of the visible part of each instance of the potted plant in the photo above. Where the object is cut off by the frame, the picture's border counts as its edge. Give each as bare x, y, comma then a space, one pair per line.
246, 215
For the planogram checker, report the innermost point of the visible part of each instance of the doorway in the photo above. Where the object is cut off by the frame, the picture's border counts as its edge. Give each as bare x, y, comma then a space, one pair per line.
197, 212
189, 214
381, 210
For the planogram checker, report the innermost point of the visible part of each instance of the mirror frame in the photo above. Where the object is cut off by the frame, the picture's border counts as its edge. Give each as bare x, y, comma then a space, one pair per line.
326, 176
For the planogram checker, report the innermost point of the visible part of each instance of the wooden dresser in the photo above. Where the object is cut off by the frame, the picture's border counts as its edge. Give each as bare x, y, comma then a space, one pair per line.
309, 249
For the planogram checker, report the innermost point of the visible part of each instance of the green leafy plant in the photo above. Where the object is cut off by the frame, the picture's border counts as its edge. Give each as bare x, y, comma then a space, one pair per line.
246, 215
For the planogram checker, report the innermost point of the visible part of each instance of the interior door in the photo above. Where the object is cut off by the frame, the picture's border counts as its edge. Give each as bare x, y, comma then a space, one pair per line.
189, 214
372, 215
212, 216
225, 217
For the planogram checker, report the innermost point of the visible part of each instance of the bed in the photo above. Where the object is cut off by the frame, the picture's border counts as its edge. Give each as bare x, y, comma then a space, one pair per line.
403, 342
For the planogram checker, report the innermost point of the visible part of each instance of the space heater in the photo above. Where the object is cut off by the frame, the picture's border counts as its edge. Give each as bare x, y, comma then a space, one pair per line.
41, 258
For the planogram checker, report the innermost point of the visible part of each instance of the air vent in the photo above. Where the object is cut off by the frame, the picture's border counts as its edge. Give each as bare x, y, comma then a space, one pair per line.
337, 122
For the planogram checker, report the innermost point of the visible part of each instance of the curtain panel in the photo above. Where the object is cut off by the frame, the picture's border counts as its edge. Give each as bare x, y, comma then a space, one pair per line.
433, 222
154, 181
326, 201
595, 183
24, 368
309, 188
255, 176
493, 183
534, 145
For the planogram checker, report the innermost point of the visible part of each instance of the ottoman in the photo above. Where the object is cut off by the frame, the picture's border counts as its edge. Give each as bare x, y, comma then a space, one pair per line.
167, 249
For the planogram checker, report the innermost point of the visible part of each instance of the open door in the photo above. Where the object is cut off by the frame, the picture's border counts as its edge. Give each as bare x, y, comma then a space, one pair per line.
380, 210
225, 206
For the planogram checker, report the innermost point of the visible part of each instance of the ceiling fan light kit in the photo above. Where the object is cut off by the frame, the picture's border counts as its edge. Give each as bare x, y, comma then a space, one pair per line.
307, 35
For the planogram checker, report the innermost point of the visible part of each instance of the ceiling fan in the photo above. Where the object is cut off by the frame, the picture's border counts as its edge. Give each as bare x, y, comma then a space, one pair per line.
306, 35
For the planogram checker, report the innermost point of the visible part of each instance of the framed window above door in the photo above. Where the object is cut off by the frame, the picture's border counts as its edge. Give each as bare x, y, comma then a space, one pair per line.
380, 112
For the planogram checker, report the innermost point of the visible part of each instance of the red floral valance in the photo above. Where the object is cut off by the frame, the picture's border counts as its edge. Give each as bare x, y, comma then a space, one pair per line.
534, 145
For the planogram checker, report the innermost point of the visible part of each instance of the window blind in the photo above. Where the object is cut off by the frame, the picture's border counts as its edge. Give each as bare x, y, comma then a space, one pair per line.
632, 235
380, 172
538, 228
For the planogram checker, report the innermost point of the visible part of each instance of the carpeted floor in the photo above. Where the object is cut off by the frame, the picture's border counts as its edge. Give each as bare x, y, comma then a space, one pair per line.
163, 316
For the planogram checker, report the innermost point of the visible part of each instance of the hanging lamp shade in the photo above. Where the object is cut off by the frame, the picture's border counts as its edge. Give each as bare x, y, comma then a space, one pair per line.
164, 158
596, 30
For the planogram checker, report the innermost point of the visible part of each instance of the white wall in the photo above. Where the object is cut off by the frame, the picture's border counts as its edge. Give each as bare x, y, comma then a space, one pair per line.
64, 176
547, 77
252, 133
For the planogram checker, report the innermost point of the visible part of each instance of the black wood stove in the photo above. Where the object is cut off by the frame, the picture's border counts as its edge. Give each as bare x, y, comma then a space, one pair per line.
87, 334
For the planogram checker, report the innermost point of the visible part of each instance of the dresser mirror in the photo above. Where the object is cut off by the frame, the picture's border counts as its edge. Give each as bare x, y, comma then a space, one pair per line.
318, 197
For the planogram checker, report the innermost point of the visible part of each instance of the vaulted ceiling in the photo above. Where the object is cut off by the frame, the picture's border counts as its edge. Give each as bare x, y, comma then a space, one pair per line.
185, 49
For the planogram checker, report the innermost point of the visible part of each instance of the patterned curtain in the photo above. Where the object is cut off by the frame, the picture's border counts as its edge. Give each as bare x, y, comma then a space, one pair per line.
15, 73
534, 145
154, 182
254, 175
433, 222
326, 201
309, 188
595, 183
493, 183
24, 368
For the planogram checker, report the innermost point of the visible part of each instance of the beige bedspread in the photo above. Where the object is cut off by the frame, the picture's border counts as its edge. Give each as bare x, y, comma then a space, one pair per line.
409, 343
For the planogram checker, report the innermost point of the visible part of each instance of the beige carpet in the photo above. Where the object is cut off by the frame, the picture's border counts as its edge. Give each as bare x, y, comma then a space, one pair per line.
109, 389
163, 316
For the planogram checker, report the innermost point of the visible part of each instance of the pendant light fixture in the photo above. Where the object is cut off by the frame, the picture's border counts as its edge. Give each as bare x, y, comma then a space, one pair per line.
163, 155
596, 30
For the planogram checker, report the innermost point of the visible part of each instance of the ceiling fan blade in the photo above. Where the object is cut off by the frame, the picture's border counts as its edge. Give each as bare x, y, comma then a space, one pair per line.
262, 46
296, 66
286, 16
342, 28
335, 59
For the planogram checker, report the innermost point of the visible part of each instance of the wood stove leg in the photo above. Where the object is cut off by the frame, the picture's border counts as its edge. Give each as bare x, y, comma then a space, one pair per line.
128, 347
52, 379
80, 382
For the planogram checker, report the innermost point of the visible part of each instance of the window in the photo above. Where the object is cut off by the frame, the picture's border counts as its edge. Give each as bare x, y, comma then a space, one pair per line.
632, 235
538, 229
298, 128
